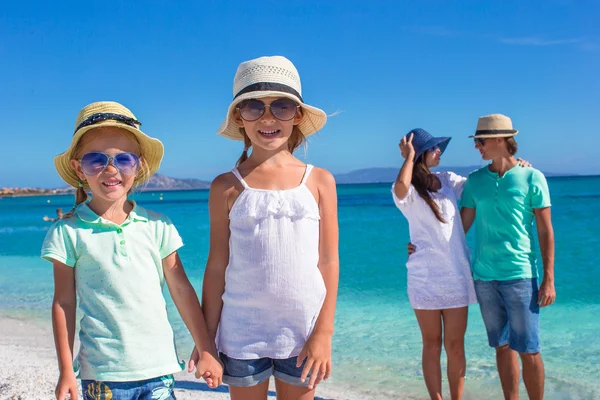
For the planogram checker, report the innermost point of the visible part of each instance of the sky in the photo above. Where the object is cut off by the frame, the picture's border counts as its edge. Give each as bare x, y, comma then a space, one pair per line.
380, 68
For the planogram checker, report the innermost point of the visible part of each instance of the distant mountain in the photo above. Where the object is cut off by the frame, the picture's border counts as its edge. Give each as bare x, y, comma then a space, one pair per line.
162, 182
386, 175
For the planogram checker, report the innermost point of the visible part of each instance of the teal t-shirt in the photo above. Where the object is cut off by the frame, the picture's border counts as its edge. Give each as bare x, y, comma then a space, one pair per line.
504, 241
124, 331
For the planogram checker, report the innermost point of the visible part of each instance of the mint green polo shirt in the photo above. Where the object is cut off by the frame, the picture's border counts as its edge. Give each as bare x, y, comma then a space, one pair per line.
504, 240
124, 331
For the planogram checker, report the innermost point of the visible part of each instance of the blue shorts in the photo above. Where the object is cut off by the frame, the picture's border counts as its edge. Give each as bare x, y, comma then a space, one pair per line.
246, 373
149, 389
511, 313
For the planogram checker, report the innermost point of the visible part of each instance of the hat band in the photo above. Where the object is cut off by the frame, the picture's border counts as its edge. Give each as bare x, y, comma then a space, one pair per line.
494, 131
269, 87
99, 117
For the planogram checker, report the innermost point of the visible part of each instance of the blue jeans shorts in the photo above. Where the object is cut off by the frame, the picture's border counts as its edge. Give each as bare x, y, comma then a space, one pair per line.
246, 373
149, 389
510, 313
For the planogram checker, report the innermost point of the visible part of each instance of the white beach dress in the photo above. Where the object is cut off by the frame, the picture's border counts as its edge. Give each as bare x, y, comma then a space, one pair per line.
274, 289
439, 272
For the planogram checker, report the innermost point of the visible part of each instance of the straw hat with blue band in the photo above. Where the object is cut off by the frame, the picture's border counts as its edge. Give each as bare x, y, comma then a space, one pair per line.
273, 76
109, 113
423, 141
494, 125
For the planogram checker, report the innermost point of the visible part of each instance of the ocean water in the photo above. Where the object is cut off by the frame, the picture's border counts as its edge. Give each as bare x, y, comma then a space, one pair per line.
377, 345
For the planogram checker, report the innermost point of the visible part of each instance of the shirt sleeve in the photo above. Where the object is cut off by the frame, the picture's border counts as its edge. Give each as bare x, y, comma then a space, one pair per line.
466, 200
58, 245
407, 200
540, 194
456, 182
170, 240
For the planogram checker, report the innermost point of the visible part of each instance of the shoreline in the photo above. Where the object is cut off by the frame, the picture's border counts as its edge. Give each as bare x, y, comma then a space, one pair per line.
29, 369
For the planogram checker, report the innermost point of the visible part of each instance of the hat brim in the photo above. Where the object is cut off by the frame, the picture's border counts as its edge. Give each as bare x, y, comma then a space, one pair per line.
151, 149
312, 121
493, 135
441, 142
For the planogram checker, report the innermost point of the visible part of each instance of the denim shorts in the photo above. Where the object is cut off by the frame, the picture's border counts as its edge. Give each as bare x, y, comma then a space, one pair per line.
510, 313
149, 389
246, 373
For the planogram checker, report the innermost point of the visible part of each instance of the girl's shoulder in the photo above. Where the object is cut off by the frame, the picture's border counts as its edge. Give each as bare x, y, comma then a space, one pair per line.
322, 177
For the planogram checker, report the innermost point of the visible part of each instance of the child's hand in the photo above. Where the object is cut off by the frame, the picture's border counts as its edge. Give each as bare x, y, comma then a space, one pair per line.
317, 352
208, 366
67, 384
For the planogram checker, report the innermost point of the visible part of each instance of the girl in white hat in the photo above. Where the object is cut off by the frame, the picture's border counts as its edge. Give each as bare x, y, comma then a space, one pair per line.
271, 278
115, 256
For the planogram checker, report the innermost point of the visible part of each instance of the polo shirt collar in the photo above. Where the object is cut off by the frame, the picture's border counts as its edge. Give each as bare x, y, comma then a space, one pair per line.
496, 175
85, 213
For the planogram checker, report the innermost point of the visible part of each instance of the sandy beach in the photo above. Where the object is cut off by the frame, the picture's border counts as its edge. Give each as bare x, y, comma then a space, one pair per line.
28, 370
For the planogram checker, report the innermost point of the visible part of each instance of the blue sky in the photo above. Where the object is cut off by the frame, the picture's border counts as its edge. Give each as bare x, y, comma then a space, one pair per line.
387, 67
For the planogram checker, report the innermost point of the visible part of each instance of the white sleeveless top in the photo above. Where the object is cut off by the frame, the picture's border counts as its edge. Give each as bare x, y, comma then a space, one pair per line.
274, 289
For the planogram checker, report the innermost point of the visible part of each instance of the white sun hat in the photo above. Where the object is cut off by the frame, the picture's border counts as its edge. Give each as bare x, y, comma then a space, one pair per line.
273, 76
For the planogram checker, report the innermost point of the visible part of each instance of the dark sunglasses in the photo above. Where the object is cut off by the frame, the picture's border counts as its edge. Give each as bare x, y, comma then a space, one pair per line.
479, 141
94, 163
283, 109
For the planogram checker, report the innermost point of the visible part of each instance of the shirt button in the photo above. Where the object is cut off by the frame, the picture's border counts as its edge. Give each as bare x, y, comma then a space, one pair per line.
122, 242
119, 230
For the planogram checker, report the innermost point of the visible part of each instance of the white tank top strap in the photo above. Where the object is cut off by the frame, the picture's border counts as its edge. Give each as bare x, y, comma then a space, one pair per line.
309, 168
239, 176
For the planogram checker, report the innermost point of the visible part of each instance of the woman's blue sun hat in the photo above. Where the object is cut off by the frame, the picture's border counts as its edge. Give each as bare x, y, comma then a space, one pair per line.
423, 141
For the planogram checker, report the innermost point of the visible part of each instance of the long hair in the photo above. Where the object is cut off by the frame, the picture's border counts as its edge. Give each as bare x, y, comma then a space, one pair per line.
296, 139
422, 180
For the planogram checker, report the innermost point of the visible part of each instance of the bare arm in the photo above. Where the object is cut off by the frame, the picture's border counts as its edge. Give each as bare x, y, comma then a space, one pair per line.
404, 178
186, 300
543, 219
467, 215
218, 257
317, 349
64, 307
329, 262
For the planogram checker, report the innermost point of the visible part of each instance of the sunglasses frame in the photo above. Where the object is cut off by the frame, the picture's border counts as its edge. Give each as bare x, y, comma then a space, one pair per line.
110, 160
264, 109
480, 141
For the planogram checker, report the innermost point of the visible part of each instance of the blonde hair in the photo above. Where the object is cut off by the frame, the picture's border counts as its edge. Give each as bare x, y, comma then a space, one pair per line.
296, 139
81, 194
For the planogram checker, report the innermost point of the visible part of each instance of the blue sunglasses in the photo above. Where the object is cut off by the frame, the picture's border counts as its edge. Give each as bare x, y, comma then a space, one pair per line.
94, 163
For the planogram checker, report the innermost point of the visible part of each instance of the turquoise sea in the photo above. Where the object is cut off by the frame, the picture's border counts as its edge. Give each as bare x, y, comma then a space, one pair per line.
377, 341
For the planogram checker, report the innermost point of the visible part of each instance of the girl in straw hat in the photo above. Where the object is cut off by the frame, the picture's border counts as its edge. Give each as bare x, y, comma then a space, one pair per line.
271, 278
116, 256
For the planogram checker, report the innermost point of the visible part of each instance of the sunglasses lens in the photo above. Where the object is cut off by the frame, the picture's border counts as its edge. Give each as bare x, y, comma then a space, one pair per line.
93, 163
251, 110
284, 109
127, 163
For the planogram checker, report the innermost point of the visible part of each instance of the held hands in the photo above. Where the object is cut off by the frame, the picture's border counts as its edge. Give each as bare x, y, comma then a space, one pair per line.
406, 147
317, 353
67, 385
208, 366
